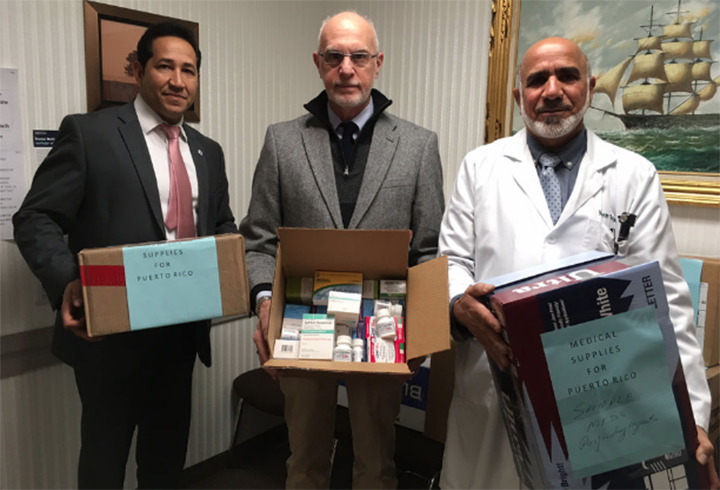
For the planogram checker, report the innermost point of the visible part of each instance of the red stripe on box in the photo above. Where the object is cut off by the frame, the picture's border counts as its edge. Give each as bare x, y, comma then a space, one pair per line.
102, 275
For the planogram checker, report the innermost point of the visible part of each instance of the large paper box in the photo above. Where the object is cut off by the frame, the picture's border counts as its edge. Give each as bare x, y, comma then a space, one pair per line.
593, 432
713, 377
165, 283
377, 254
711, 277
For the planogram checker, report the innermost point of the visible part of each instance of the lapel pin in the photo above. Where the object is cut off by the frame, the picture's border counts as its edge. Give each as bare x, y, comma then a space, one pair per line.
200, 152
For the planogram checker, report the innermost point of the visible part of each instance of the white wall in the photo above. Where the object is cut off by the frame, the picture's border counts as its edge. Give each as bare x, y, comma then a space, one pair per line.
257, 69
697, 230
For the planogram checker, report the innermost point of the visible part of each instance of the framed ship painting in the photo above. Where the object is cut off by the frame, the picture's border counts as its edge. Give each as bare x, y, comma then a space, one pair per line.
655, 62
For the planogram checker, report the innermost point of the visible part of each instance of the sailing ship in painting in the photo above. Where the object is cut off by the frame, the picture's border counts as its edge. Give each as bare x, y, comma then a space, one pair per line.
670, 78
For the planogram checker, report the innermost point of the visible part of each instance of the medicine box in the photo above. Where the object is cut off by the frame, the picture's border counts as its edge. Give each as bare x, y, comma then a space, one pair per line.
392, 289
326, 281
299, 290
370, 289
546, 445
345, 307
382, 350
376, 254
292, 321
135, 287
317, 339
287, 349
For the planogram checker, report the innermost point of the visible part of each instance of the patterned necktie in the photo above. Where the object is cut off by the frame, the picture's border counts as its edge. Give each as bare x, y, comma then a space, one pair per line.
349, 129
550, 184
180, 215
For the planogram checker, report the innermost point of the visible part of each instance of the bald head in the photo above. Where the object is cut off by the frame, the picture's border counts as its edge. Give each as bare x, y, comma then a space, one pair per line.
349, 20
551, 45
348, 62
555, 90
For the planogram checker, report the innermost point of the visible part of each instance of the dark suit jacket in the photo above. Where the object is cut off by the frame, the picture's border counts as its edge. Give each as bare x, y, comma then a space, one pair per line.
98, 187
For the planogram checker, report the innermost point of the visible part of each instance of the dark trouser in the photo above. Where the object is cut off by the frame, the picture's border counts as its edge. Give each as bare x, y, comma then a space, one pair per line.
155, 397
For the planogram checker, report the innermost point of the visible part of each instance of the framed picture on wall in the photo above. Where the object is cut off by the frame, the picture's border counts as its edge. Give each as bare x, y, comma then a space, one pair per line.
655, 62
111, 36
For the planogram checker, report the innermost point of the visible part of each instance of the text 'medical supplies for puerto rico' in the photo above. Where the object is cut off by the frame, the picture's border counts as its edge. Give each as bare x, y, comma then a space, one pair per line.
596, 395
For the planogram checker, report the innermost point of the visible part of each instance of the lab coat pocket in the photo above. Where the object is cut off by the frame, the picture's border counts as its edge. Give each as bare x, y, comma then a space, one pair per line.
598, 237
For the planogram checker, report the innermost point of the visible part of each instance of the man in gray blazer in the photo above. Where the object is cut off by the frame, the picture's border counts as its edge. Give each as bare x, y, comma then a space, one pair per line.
108, 181
347, 164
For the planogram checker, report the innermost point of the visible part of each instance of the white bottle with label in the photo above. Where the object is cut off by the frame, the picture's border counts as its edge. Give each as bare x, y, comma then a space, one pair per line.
343, 352
358, 347
385, 325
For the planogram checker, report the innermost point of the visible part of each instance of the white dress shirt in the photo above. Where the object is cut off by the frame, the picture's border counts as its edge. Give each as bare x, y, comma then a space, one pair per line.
157, 145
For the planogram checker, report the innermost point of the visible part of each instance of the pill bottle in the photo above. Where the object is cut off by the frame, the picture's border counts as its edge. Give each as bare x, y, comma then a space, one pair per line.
384, 325
397, 310
343, 352
358, 348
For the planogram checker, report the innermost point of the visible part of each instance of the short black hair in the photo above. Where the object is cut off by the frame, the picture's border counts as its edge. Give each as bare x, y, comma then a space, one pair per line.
165, 29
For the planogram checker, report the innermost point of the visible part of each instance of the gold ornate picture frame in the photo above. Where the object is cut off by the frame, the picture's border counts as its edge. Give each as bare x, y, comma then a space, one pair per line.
111, 35
685, 188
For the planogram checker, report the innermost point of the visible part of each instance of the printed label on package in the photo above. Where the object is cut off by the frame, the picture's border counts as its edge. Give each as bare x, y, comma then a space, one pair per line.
614, 394
173, 282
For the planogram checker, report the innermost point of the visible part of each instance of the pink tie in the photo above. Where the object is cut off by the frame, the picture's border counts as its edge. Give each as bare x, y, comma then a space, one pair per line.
180, 214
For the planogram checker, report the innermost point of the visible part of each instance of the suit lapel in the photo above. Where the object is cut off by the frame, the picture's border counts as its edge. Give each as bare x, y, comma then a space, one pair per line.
134, 139
525, 175
201, 168
317, 148
382, 151
590, 181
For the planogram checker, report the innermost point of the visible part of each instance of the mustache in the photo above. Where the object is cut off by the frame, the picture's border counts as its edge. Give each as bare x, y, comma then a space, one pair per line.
552, 107
178, 94
342, 84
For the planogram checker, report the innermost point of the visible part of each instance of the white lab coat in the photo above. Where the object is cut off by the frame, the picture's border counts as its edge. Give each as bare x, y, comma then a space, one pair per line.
497, 222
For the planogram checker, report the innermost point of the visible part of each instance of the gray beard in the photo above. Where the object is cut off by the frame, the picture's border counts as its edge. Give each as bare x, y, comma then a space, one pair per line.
554, 127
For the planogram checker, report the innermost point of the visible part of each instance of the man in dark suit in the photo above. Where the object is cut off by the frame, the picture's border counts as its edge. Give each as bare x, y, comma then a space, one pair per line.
126, 175
347, 164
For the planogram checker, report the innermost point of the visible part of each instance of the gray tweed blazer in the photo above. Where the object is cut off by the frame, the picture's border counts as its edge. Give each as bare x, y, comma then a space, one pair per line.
294, 186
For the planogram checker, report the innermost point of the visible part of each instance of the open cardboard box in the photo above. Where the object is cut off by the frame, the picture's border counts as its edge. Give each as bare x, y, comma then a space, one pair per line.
378, 254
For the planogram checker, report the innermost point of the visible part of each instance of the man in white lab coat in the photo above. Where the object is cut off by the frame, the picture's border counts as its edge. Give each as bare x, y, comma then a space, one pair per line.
501, 219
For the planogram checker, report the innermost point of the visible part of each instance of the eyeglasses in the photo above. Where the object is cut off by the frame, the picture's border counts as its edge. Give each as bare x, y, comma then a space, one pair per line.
335, 58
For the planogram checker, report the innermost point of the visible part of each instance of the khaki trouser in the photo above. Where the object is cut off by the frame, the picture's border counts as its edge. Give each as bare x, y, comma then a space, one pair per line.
374, 403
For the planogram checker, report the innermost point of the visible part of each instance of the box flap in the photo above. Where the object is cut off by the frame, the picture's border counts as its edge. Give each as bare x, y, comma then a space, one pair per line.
277, 305
383, 254
233, 274
305, 368
440, 388
428, 308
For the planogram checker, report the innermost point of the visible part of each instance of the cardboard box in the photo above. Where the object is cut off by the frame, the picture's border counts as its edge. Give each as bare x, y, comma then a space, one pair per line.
713, 377
377, 254
711, 277
151, 285
551, 452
